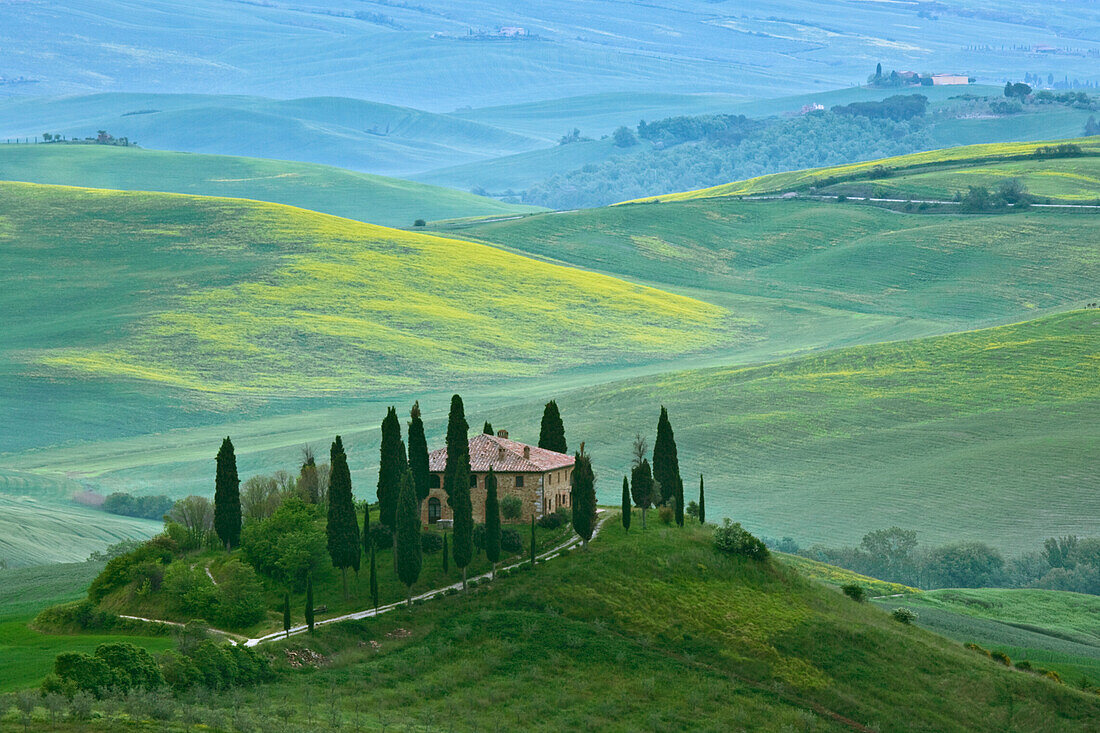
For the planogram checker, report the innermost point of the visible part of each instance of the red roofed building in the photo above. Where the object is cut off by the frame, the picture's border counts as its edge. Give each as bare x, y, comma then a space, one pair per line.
539, 477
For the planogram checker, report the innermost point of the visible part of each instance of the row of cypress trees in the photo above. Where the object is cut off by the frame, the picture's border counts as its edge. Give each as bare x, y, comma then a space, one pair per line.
660, 483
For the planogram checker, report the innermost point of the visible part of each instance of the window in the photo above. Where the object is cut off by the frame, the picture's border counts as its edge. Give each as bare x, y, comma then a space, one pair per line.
435, 510
473, 481
519, 482
434, 482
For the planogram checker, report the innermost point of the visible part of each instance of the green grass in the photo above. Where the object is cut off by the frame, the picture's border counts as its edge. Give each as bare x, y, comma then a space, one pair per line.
648, 630
26, 655
374, 199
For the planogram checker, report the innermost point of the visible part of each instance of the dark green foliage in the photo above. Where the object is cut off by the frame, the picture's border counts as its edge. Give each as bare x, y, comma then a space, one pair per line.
134, 667
430, 542
855, 591
511, 508
418, 454
309, 484
1018, 90
702, 503
227, 497
641, 487
550, 521
288, 545
309, 603
678, 502
898, 108
722, 129
343, 526
381, 536
510, 541
446, 556
373, 577
487, 428
666, 462
458, 446
122, 570
624, 137
733, 539
583, 497
390, 468
84, 672
965, 565
903, 615
366, 536
456, 482
552, 431
146, 507
534, 551
409, 557
626, 505
240, 596
286, 613
492, 520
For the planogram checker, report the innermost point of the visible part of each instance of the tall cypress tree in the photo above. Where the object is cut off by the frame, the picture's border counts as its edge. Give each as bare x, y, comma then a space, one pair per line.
678, 497
286, 614
702, 503
367, 541
227, 497
666, 464
463, 528
488, 428
583, 497
373, 578
641, 487
343, 527
458, 447
309, 602
626, 505
533, 554
418, 454
390, 468
492, 521
446, 556
552, 432
409, 558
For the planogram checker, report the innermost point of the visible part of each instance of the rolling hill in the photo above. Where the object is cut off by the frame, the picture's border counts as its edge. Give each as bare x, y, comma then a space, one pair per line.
369, 198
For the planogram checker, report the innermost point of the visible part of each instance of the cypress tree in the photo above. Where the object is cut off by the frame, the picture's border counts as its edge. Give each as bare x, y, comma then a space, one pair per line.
583, 497
409, 558
446, 556
552, 432
488, 428
286, 614
373, 578
626, 504
462, 545
458, 447
368, 550
227, 497
492, 521
367, 542
389, 468
702, 503
666, 464
418, 454
308, 481
309, 602
532, 541
679, 499
343, 527
641, 487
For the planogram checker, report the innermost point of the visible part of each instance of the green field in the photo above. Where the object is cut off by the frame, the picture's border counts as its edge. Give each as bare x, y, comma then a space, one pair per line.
375, 199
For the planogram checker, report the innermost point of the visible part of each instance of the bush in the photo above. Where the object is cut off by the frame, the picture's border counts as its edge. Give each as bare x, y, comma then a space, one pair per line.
665, 515
79, 615
733, 539
855, 592
134, 668
510, 540
381, 536
1001, 657
189, 591
511, 508
479, 538
903, 615
420, 223
1024, 665
288, 545
120, 570
84, 672
550, 521
240, 597
430, 543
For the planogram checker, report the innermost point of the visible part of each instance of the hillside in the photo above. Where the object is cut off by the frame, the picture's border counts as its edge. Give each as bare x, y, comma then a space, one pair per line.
369, 198
652, 629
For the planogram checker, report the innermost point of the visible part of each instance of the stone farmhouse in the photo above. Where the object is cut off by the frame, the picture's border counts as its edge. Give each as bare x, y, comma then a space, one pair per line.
539, 477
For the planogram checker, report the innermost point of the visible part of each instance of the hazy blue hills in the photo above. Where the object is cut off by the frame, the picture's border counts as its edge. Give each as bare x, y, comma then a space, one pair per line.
422, 56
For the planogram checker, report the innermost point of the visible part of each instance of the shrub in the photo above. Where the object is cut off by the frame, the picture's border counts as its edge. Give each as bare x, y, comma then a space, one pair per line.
120, 570
903, 615
479, 538
180, 672
510, 540
665, 515
188, 590
1050, 674
511, 508
84, 672
1024, 665
79, 615
733, 539
855, 592
430, 542
288, 545
381, 536
134, 668
549, 521
420, 223
1001, 657
240, 598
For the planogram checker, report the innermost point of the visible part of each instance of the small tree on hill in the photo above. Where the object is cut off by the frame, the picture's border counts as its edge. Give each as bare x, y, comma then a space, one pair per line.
342, 529
552, 431
309, 603
583, 497
487, 429
390, 468
702, 503
492, 521
626, 504
227, 497
666, 463
286, 614
409, 557
641, 487
418, 454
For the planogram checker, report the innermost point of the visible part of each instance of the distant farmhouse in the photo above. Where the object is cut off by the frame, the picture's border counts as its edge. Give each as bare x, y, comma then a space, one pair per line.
948, 80
539, 477
913, 78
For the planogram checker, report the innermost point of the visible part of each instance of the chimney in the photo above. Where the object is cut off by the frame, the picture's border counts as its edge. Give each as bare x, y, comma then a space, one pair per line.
527, 452
502, 434
500, 453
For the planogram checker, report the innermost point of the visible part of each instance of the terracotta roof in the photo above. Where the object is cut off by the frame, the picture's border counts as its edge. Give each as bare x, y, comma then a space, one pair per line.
504, 455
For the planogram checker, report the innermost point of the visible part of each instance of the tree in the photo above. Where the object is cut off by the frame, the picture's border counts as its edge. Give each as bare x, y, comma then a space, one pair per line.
308, 480
196, 515
533, 555
458, 445
623, 137
286, 614
965, 565
878, 71
702, 503
418, 455
409, 553
373, 578
463, 527
487, 429
626, 504
678, 502
390, 468
309, 603
446, 556
492, 521
287, 546
1092, 127
343, 528
666, 464
641, 487
227, 497
552, 432
583, 497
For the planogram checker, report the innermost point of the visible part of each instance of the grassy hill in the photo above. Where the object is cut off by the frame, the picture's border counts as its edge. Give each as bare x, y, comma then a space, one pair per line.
652, 629
375, 199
